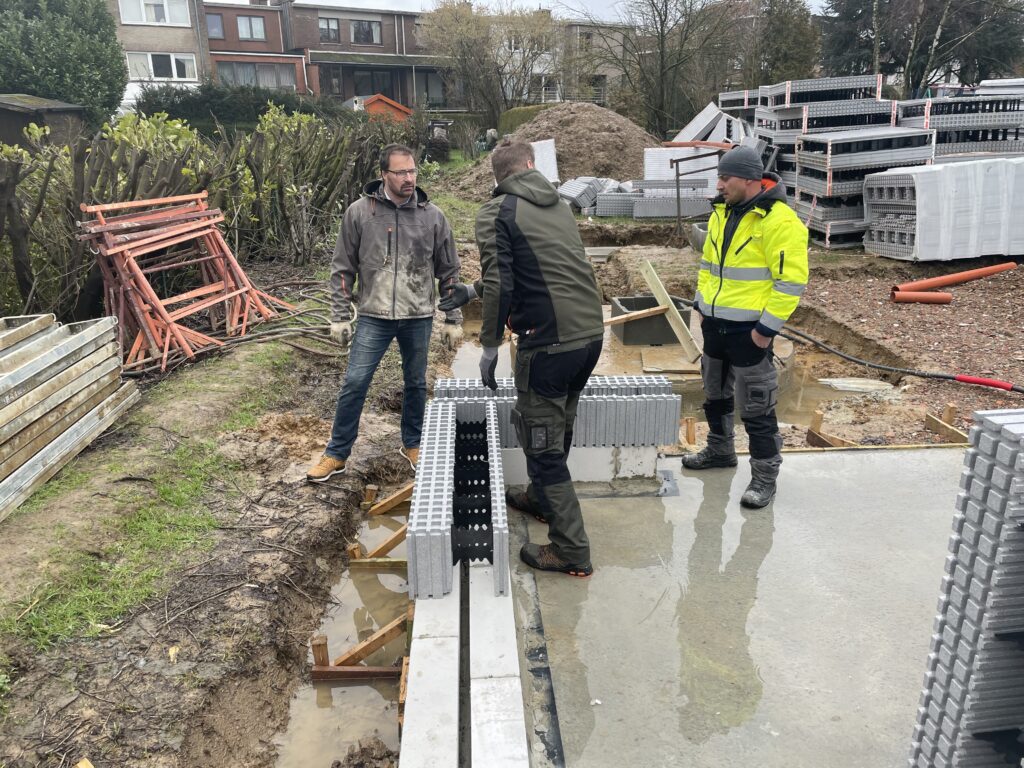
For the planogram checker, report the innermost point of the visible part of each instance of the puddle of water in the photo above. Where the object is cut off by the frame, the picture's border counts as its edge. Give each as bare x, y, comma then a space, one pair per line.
466, 364
326, 718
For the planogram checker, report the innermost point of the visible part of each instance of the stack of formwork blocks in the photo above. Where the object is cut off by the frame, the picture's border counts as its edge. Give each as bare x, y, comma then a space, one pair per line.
429, 536
739, 104
786, 111
993, 123
60, 388
582, 192
944, 212
971, 713
830, 176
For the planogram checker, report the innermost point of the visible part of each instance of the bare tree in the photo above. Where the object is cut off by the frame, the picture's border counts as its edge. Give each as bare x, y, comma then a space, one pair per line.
493, 54
673, 55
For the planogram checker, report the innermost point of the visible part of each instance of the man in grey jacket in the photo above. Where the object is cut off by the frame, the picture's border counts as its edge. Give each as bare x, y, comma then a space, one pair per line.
397, 243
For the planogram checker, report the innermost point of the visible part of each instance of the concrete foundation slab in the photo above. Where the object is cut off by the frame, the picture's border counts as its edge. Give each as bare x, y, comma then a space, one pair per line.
589, 464
788, 637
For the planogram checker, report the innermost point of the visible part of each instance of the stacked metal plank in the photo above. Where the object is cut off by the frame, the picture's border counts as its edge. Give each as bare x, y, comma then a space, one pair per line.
830, 174
60, 387
944, 212
788, 110
971, 713
991, 123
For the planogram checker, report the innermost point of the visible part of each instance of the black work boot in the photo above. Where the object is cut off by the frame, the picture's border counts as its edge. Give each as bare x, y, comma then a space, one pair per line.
521, 500
761, 489
707, 459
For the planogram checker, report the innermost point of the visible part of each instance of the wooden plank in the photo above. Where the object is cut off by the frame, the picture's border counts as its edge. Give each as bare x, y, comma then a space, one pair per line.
640, 314
325, 674
20, 327
817, 420
33, 405
20, 485
949, 413
940, 427
821, 440
691, 430
403, 690
321, 656
691, 351
43, 368
142, 203
84, 763
385, 505
375, 642
379, 563
667, 360
54, 424
390, 543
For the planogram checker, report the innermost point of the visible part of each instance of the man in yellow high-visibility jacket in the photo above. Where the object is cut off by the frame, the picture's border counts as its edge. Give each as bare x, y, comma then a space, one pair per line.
752, 274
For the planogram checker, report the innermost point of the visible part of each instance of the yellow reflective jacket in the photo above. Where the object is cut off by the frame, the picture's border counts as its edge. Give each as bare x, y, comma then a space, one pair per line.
763, 272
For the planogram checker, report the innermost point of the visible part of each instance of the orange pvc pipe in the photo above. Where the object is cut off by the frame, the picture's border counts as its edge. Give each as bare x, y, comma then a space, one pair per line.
921, 297
706, 144
955, 279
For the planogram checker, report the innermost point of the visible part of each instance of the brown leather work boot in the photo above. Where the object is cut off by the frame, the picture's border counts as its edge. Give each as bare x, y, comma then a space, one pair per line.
412, 455
325, 469
544, 558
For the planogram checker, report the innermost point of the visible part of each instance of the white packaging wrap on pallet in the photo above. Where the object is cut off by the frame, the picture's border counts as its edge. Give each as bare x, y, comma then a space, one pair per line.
946, 212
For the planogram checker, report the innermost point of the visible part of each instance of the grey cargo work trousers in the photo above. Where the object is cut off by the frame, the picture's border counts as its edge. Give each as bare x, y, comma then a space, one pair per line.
738, 373
549, 381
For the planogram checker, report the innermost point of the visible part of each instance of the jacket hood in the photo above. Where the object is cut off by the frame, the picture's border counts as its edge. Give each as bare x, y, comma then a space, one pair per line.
375, 189
772, 189
531, 185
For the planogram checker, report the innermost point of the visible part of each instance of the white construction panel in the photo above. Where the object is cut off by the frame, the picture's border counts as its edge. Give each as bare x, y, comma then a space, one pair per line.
545, 160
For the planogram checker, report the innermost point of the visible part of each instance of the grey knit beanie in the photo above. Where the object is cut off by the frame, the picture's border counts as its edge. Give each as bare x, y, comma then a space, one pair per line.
743, 162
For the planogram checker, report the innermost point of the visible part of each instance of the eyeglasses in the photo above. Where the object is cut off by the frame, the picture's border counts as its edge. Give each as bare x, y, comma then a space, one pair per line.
407, 173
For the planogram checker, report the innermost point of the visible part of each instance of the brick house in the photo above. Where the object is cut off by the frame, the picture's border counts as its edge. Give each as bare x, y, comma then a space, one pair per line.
247, 47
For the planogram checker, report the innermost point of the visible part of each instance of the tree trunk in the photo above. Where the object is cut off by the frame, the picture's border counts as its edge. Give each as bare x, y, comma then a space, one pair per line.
909, 84
876, 34
935, 40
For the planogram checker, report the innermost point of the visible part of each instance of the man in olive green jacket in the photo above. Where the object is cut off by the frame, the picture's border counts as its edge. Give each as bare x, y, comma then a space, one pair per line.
536, 280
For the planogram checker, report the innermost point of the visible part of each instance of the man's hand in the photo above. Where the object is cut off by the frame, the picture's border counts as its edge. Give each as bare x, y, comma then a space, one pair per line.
451, 335
456, 295
488, 364
342, 333
760, 339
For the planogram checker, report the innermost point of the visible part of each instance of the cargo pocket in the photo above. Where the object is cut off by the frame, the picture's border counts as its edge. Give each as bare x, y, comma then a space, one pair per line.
521, 368
761, 395
539, 432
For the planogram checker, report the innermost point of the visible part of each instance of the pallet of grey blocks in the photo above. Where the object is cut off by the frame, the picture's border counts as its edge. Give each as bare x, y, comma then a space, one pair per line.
670, 207
947, 223
971, 713
458, 504
616, 203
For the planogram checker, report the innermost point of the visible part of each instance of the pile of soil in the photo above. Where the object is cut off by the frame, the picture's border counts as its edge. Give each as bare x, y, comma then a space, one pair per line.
589, 141
371, 753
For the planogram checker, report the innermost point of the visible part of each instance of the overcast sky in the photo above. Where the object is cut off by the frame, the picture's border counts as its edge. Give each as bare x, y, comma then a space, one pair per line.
600, 8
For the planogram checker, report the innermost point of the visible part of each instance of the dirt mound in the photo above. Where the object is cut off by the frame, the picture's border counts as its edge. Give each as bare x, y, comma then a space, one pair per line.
371, 753
589, 141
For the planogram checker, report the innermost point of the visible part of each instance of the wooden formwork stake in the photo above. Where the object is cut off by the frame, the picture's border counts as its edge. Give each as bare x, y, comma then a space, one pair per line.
387, 504
817, 420
354, 550
949, 413
943, 427
691, 430
321, 656
390, 543
369, 496
403, 691
376, 641
379, 563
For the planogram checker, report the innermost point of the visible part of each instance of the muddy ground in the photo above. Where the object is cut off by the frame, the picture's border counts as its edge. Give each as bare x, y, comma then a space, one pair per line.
201, 671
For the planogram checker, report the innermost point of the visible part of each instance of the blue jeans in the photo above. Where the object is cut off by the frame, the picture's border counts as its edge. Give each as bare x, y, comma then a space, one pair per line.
369, 343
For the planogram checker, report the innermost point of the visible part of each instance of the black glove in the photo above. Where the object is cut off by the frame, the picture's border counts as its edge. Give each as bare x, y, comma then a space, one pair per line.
458, 295
488, 364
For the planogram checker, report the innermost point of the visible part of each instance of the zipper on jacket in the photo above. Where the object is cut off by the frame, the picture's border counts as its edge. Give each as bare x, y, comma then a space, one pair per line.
782, 262
721, 269
744, 245
394, 283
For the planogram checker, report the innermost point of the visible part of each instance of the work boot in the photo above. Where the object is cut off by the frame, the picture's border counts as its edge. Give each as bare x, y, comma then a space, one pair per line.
544, 558
708, 459
761, 490
412, 455
325, 469
521, 501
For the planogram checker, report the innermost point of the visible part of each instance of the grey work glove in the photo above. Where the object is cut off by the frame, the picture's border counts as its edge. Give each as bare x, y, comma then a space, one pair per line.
488, 364
459, 294
451, 334
342, 333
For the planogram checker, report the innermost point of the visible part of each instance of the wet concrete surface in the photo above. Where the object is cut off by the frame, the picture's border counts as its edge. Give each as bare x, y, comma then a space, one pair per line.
326, 718
711, 636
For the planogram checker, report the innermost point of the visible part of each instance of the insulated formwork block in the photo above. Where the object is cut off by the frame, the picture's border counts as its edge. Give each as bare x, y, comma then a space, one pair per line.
429, 536
499, 513
617, 203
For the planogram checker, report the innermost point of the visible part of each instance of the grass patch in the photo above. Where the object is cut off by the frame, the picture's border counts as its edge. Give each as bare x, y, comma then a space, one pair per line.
68, 479
92, 590
456, 162
273, 362
461, 214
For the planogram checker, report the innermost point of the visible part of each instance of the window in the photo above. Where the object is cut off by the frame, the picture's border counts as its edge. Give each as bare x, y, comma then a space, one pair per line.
215, 26
586, 41
372, 81
366, 32
278, 76
170, 12
161, 66
251, 28
329, 31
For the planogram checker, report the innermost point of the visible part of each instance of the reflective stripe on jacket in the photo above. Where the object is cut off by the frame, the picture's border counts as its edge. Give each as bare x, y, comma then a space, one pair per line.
762, 274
